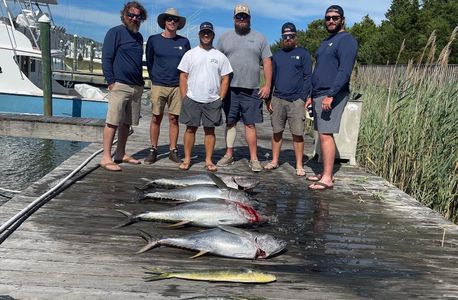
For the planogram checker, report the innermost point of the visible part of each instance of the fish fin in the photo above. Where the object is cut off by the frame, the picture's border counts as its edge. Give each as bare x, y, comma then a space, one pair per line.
157, 277
155, 271
219, 183
130, 218
150, 243
199, 254
180, 224
234, 230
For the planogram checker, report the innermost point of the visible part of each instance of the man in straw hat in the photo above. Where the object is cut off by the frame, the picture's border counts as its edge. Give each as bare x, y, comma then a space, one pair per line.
246, 50
163, 54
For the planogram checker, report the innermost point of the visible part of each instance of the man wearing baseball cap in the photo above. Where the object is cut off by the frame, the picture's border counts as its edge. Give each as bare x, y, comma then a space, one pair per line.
292, 71
335, 59
246, 50
163, 54
204, 81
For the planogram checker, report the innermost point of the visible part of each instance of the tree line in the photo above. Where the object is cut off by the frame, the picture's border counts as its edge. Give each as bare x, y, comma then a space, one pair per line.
408, 24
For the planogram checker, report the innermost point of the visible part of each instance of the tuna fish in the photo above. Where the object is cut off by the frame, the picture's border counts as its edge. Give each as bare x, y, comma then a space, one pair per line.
235, 182
243, 275
204, 213
196, 192
223, 241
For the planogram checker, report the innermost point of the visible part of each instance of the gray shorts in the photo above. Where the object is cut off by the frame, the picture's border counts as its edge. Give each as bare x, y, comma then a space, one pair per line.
293, 112
245, 104
193, 112
329, 121
124, 103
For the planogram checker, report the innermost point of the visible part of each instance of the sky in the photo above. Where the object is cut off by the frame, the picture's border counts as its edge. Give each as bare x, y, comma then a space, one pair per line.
92, 18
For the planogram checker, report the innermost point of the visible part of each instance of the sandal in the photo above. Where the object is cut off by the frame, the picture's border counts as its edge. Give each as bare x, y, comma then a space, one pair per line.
300, 172
271, 166
211, 168
111, 166
317, 177
320, 186
128, 160
184, 166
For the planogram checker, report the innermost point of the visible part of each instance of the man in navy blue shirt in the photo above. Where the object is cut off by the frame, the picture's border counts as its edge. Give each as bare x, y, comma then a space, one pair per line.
122, 67
335, 59
292, 71
163, 54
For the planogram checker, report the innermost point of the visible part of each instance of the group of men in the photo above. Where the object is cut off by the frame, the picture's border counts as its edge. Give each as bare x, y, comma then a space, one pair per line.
198, 84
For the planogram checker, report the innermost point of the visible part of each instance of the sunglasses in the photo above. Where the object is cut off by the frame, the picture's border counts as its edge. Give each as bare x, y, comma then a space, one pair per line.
288, 36
242, 17
174, 19
334, 18
134, 16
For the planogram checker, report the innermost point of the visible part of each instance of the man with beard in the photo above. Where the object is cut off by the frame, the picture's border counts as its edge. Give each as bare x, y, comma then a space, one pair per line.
335, 59
163, 54
292, 71
204, 80
246, 49
122, 67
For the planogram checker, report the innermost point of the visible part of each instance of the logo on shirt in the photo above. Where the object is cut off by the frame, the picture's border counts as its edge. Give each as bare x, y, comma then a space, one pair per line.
330, 44
297, 57
214, 61
178, 47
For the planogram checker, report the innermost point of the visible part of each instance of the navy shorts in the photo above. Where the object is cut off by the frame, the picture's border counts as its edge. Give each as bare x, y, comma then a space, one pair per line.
243, 104
193, 113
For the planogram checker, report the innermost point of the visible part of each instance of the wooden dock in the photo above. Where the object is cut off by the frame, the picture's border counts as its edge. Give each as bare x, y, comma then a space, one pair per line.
364, 239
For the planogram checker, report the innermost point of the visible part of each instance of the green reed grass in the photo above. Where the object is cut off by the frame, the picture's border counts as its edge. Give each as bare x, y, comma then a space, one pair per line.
409, 127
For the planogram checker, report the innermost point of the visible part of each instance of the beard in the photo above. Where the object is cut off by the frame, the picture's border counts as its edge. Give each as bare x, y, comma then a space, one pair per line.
242, 29
336, 29
133, 27
288, 47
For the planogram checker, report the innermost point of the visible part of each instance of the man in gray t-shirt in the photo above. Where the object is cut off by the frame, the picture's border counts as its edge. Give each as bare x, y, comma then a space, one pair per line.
246, 50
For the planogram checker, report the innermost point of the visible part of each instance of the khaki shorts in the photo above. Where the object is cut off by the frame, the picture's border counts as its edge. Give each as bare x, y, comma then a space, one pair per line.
162, 95
124, 103
287, 111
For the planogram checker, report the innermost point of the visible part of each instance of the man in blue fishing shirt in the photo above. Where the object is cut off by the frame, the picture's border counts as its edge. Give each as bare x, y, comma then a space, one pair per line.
335, 59
163, 54
122, 67
292, 72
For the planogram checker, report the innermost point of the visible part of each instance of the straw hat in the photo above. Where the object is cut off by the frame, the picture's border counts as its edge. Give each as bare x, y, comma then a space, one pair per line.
171, 12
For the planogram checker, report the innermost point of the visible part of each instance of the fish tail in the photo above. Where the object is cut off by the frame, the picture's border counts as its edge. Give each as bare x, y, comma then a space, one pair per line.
130, 218
156, 277
154, 274
139, 194
150, 243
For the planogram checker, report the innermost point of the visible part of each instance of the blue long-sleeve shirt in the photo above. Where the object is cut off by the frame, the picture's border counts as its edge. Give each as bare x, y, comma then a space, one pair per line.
335, 59
292, 71
122, 56
162, 58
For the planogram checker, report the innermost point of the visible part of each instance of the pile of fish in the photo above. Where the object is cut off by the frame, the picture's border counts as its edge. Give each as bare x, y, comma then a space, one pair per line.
218, 202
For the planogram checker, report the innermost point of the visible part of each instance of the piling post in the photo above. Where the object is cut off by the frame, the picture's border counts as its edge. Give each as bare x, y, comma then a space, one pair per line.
45, 45
75, 53
91, 58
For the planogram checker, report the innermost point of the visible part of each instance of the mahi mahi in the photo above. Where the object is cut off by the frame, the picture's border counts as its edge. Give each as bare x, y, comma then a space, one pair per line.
222, 241
243, 275
235, 182
196, 192
204, 213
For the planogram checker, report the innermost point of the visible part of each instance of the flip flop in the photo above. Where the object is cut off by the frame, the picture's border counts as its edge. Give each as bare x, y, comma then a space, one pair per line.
300, 172
271, 166
111, 166
316, 177
211, 168
184, 166
321, 186
128, 160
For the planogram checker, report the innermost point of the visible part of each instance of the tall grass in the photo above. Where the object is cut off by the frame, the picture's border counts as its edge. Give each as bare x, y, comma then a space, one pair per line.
409, 127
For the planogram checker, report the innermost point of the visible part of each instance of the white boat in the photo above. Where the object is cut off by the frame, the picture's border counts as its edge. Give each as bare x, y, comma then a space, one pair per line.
21, 71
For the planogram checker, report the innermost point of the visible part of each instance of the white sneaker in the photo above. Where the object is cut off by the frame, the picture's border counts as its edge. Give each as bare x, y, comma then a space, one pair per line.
255, 165
225, 161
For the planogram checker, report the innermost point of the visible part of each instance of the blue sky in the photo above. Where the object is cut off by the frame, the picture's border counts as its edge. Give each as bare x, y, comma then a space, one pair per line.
92, 18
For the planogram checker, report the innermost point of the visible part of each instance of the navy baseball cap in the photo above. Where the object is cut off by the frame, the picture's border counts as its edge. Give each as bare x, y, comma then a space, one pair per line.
336, 8
288, 27
206, 26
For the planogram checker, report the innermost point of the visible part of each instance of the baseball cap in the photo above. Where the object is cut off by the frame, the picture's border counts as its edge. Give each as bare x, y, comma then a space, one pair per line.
241, 9
288, 27
337, 9
206, 26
